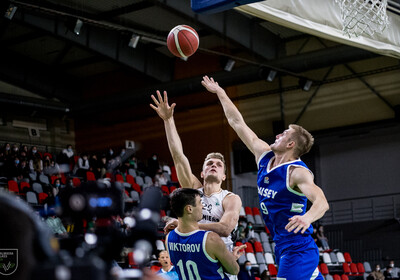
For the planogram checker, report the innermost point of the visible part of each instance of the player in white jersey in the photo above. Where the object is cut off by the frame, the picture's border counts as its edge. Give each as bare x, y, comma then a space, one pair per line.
220, 208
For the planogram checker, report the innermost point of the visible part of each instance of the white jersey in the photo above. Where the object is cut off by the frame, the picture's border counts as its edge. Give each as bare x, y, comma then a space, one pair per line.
213, 211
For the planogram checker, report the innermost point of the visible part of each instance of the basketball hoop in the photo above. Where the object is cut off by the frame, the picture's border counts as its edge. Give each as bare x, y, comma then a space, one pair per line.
363, 16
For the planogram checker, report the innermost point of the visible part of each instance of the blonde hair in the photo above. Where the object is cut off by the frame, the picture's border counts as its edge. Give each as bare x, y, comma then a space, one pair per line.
217, 156
303, 139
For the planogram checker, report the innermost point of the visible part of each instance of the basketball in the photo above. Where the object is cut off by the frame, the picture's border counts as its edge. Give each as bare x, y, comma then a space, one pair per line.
183, 41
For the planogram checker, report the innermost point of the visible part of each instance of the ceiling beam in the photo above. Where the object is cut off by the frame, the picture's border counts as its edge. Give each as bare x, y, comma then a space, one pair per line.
38, 78
246, 74
107, 42
231, 25
125, 10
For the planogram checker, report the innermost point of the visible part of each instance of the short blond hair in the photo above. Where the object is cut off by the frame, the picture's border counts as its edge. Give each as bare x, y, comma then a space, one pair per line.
303, 139
217, 156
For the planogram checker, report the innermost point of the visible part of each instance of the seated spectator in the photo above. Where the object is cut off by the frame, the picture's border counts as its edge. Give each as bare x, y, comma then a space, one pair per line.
245, 272
160, 179
391, 271
265, 275
376, 274
153, 165
82, 166
15, 151
102, 166
167, 270
322, 238
240, 233
315, 236
388, 273
36, 163
133, 162
56, 226
52, 169
249, 233
68, 152
94, 165
7, 150
33, 153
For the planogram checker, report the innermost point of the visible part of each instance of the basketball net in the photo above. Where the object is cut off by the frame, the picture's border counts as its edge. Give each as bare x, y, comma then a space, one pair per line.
363, 16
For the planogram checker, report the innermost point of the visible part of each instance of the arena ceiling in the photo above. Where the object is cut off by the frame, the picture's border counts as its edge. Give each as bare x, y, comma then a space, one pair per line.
53, 67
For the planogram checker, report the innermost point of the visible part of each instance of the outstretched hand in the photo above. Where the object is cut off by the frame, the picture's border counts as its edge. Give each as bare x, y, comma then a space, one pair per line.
162, 107
238, 250
210, 84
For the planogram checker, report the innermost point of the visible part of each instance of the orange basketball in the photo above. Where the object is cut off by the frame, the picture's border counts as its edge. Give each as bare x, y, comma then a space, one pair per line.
183, 41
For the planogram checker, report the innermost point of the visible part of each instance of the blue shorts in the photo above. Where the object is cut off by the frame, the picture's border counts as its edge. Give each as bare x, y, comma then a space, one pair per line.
298, 260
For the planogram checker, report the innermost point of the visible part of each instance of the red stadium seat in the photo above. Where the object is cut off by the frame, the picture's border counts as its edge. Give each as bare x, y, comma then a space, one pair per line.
256, 211
353, 269
76, 182
346, 268
130, 179
258, 247
248, 210
42, 197
360, 268
48, 154
345, 277
53, 178
337, 277
249, 248
324, 269
272, 270
165, 190
90, 176
25, 186
119, 178
13, 186
347, 257
172, 188
238, 243
174, 176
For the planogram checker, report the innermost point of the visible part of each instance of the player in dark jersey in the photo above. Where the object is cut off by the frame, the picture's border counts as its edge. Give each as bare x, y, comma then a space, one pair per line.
284, 185
197, 254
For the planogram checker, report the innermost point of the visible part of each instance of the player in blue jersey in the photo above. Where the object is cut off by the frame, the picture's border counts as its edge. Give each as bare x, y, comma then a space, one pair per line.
284, 185
197, 254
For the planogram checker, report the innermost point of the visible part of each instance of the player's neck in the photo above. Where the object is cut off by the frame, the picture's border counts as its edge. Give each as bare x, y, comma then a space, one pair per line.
186, 225
211, 188
166, 268
282, 158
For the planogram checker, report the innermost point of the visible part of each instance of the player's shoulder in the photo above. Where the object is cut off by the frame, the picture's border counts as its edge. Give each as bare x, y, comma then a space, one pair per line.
213, 238
232, 198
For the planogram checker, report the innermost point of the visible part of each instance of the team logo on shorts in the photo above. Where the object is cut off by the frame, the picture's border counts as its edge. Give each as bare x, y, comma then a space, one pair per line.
266, 180
8, 261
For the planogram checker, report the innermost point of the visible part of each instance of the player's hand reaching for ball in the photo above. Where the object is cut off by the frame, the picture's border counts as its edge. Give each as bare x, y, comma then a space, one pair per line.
210, 84
298, 223
162, 107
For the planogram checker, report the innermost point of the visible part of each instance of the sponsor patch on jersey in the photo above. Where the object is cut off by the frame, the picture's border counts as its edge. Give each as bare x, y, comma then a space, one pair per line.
266, 180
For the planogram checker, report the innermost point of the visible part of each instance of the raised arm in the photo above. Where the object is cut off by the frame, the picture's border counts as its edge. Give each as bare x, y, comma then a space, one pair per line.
181, 162
303, 180
235, 119
229, 219
216, 249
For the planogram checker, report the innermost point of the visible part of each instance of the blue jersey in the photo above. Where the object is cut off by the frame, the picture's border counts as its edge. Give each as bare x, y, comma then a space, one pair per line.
278, 201
169, 275
188, 254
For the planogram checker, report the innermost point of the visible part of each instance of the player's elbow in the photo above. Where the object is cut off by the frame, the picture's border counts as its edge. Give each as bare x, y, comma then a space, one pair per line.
325, 206
225, 232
